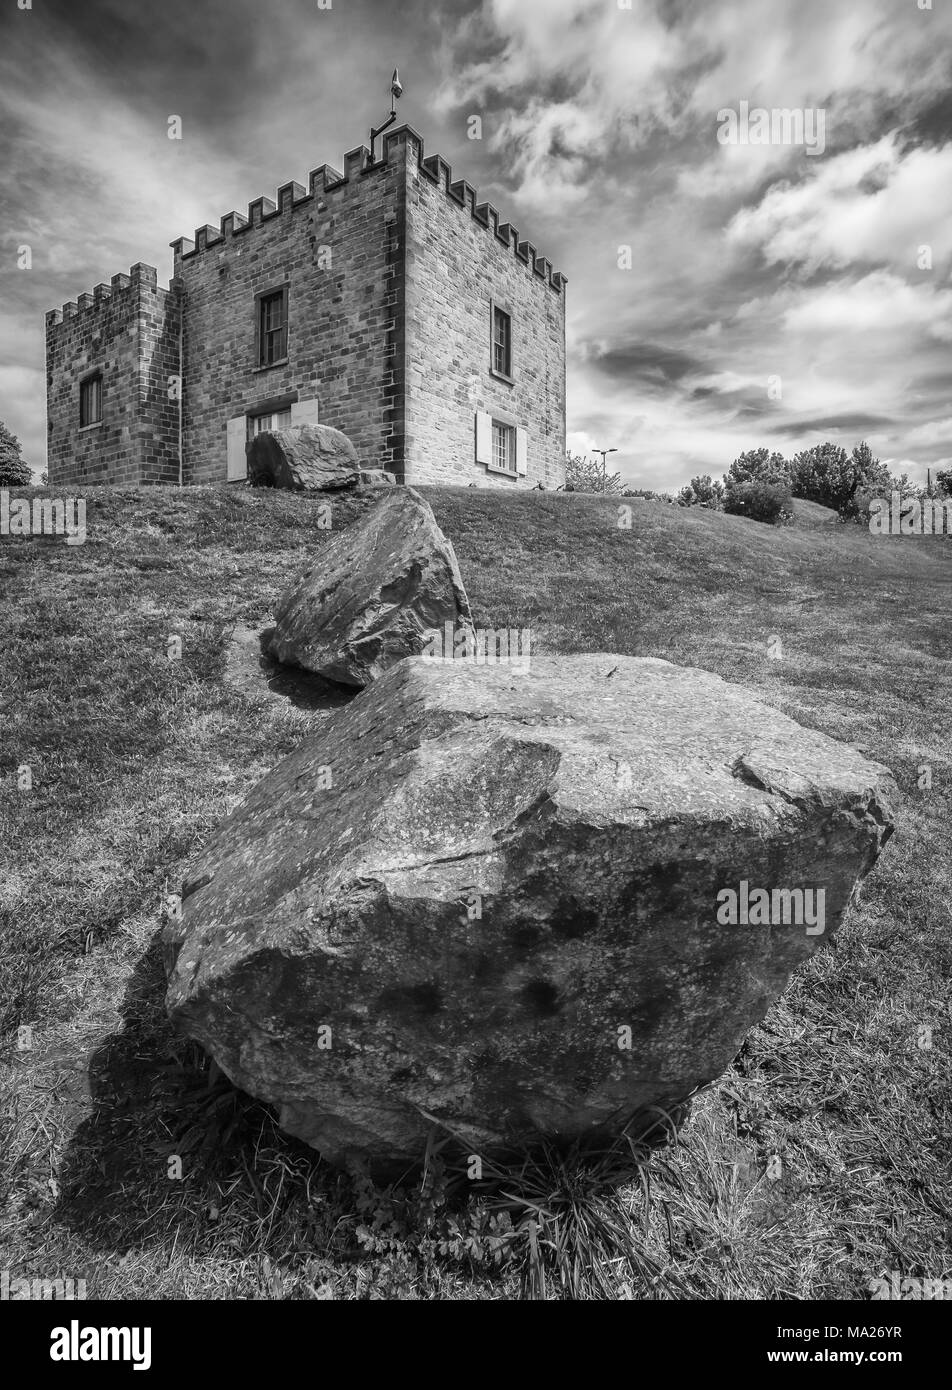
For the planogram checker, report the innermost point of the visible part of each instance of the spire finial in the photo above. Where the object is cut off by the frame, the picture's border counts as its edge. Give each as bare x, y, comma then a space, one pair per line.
396, 91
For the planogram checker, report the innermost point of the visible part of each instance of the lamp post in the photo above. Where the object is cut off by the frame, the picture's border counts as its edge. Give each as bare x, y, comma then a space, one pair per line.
604, 453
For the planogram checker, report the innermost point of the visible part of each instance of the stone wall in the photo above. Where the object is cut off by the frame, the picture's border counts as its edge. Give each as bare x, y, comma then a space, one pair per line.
391, 269
122, 331
460, 259
338, 248
159, 320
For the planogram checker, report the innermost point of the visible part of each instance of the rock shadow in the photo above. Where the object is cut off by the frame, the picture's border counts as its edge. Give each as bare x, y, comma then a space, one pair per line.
250, 668
155, 1098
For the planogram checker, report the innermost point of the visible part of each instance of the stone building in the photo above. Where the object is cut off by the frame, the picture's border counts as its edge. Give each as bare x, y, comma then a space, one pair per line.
386, 301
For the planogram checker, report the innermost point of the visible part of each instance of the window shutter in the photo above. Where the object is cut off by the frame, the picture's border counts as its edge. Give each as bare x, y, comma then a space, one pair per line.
484, 437
522, 452
304, 412
237, 435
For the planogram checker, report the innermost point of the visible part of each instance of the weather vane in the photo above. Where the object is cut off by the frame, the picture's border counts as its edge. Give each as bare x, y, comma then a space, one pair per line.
396, 91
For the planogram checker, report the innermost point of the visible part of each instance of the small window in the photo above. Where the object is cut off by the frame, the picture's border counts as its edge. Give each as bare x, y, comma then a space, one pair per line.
272, 327
90, 401
270, 420
504, 447
502, 342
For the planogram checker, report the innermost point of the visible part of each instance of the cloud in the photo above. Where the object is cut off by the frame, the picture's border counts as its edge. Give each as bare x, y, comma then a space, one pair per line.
877, 204
877, 303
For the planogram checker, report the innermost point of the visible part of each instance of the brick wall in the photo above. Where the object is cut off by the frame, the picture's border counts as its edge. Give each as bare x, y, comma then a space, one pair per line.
122, 331
458, 262
339, 249
391, 269
99, 332
158, 444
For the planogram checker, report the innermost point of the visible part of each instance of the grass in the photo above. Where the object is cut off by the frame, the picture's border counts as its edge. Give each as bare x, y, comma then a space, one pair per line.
817, 1163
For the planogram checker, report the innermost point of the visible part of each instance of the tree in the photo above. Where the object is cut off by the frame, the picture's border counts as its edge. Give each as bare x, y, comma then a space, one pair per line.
943, 481
828, 475
14, 471
702, 492
759, 466
585, 475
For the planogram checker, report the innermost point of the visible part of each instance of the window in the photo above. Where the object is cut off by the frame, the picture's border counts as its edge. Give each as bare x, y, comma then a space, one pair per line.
504, 447
502, 342
90, 402
272, 327
270, 420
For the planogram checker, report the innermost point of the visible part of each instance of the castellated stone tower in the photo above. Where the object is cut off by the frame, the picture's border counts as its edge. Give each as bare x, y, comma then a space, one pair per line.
385, 301
109, 356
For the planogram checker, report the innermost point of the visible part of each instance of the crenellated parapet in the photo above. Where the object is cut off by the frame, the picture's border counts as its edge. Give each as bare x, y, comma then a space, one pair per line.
358, 164
122, 287
291, 196
436, 169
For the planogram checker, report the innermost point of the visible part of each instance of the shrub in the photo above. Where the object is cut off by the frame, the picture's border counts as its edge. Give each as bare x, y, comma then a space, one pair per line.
585, 475
14, 472
767, 502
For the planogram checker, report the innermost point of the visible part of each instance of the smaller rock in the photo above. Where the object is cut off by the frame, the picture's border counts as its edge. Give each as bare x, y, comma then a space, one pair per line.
303, 458
377, 477
371, 594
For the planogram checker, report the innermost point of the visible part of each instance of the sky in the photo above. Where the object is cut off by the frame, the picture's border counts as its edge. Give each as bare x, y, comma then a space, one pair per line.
722, 294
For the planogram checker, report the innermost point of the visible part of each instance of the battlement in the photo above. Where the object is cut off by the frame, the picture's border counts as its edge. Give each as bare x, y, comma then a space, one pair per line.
140, 277
358, 163
440, 172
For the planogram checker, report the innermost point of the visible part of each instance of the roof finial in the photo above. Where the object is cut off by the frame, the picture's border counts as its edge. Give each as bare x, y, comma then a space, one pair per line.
396, 91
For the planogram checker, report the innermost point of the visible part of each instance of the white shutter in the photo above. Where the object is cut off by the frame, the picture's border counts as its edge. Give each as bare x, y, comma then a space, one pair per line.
522, 452
237, 435
305, 412
484, 437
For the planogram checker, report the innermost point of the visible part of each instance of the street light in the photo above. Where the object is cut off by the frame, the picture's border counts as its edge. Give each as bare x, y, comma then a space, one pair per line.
603, 453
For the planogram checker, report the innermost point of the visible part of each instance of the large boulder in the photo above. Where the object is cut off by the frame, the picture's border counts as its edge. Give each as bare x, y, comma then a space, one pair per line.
498, 901
304, 458
371, 594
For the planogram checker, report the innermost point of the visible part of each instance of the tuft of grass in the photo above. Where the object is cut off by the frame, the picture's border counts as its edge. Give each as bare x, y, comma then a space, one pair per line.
574, 1217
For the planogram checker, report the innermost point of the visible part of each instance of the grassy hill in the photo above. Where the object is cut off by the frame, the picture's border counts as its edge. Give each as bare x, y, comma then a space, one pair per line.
135, 757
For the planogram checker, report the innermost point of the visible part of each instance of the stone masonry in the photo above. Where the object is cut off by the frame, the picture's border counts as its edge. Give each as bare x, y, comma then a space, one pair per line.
127, 331
391, 271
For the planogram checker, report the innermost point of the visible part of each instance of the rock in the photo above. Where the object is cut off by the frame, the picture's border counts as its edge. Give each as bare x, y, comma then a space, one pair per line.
493, 900
305, 458
376, 477
371, 593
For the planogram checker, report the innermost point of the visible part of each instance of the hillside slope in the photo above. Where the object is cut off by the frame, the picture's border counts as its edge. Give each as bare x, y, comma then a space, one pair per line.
135, 756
